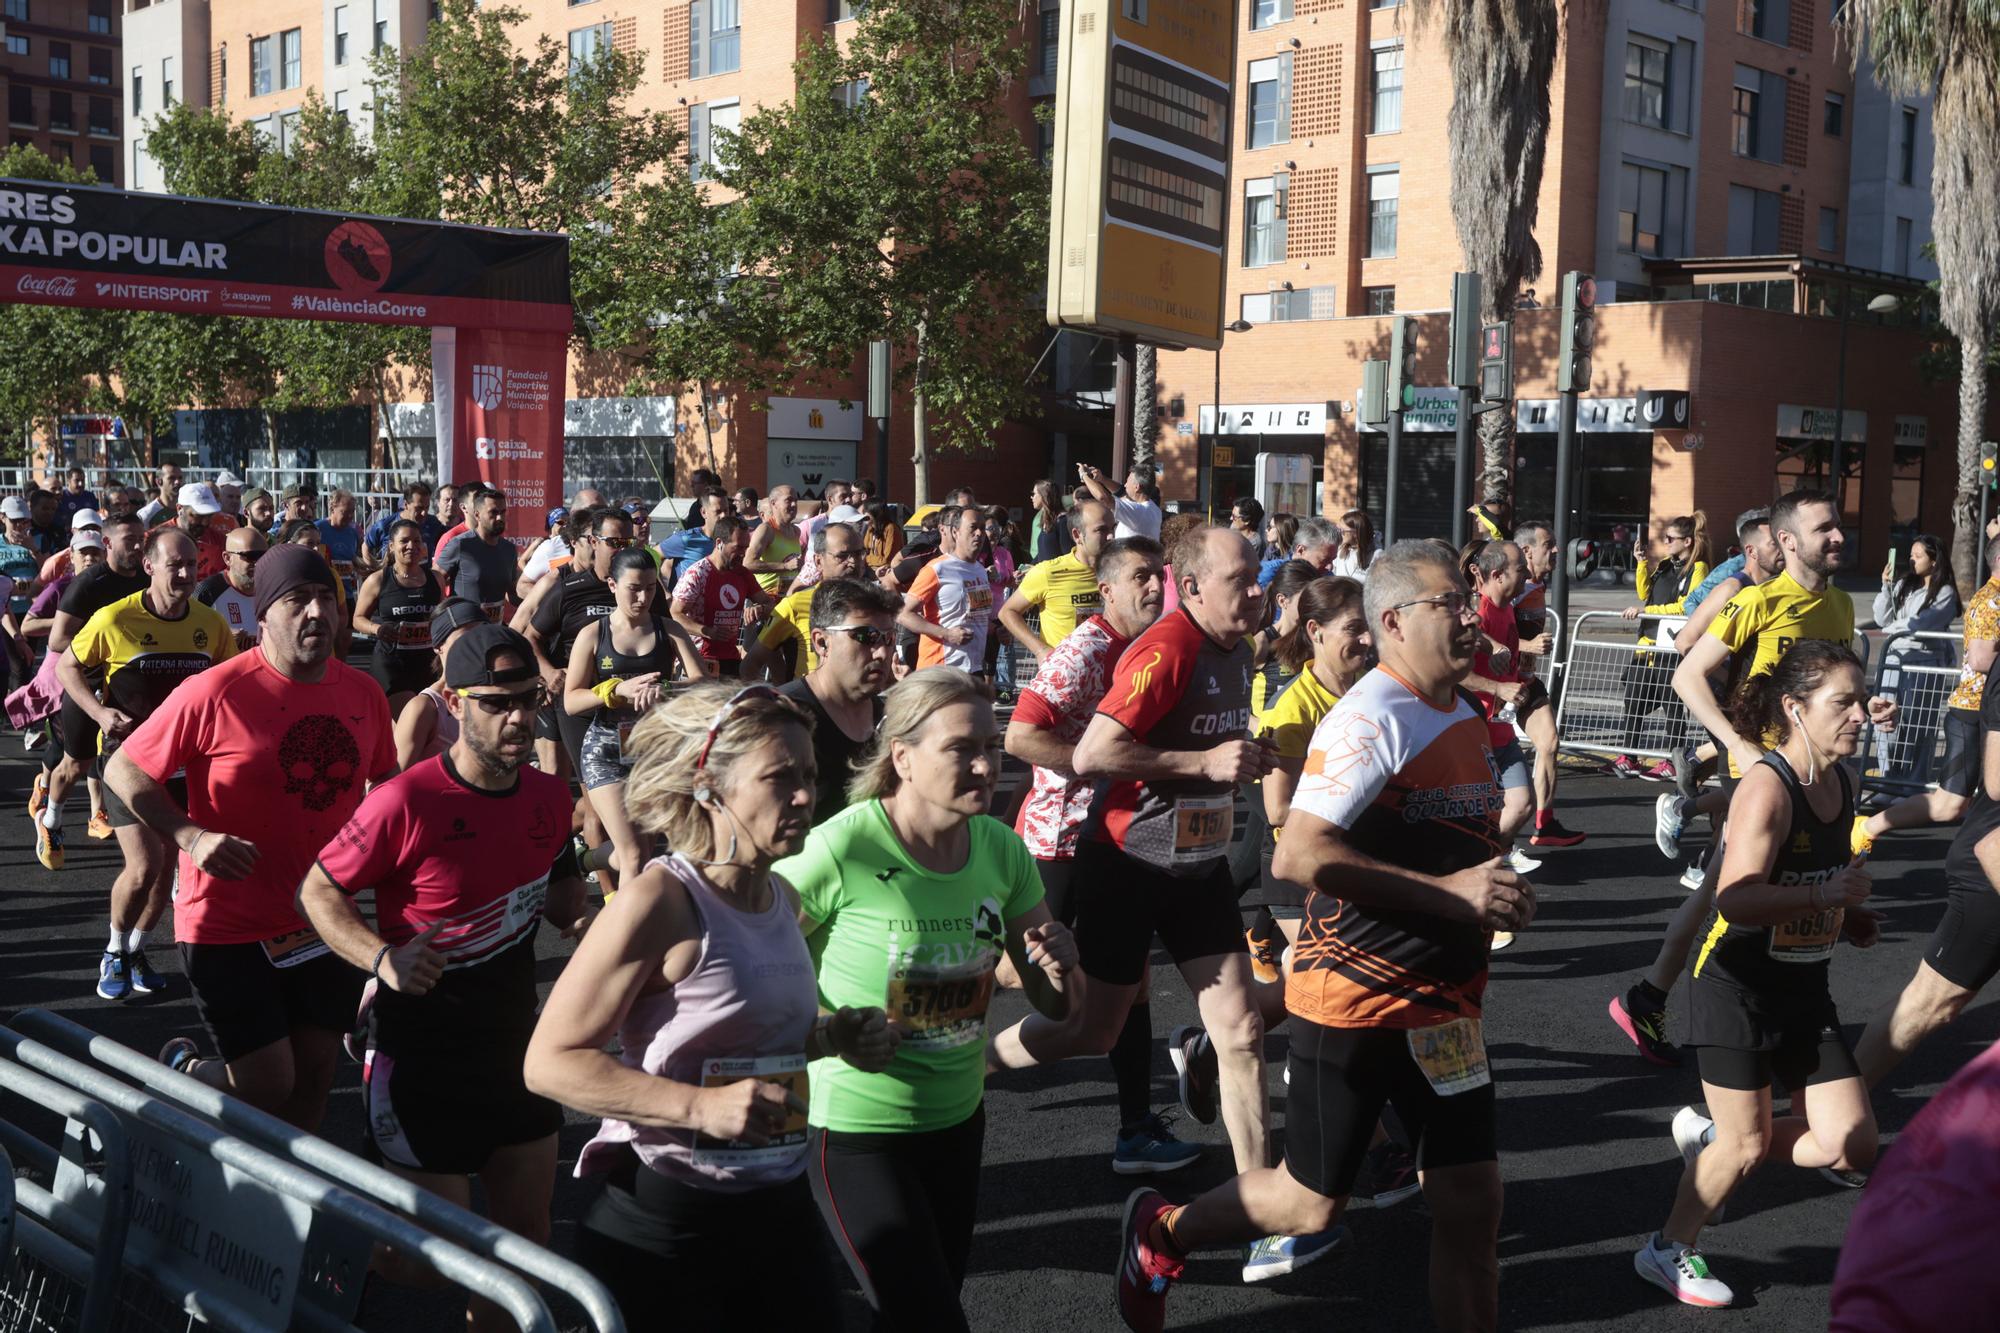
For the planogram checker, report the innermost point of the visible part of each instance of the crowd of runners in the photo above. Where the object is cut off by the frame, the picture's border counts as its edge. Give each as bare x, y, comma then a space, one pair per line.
748, 761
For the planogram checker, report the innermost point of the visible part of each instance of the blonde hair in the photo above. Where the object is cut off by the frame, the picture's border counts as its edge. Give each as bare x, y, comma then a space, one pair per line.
667, 743
906, 707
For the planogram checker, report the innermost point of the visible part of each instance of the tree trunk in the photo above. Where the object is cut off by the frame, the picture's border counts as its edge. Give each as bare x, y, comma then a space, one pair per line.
708, 431
271, 438
920, 457
1145, 405
1967, 541
1496, 456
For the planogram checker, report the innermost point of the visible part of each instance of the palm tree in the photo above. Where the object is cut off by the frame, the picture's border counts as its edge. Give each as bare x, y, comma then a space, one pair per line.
1950, 50
1503, 57
1145, 403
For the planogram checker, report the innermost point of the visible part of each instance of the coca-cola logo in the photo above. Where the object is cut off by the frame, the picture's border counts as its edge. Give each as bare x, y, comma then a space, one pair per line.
29, 283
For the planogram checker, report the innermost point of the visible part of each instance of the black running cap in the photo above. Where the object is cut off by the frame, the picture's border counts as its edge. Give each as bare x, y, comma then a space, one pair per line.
471, 660
453, 613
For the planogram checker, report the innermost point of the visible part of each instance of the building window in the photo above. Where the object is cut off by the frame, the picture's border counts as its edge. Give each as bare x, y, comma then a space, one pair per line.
1285, 306
1768, 19
853, 95
101, 124
138, 180
290, 44
1383, 4
585, 43
16, 45
1904, 230
1753, 221
288, 131
1743, 121
715, 32
340, 103
1642, 209
169, 69
20, 104
260, 66
1048, 50
1836, 114
340, 34
1270, 101
61, 115
58, 60
1829, 230
1385, 188
17, 10
99, 20
381, 38
1378, 300
1385, 101
841, 11
138, 92
100, 65
1266, 13
1646, 84
705, 121
222, 74
1264, 206
1906, 151
103, 164
1754, 130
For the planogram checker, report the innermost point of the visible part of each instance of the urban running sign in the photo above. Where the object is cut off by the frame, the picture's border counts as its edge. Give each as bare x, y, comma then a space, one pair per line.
94, 247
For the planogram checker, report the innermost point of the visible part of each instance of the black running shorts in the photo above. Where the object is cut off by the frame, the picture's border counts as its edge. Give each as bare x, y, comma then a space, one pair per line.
79, 731
1745, 1041
1057, 879
115, 809
1959, 774
246, 1003
449, 1109
1340, 1080
1121, 903
1965, 947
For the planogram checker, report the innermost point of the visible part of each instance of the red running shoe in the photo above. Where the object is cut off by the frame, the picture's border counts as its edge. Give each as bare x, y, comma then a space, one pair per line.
1144, 1274
1553, 834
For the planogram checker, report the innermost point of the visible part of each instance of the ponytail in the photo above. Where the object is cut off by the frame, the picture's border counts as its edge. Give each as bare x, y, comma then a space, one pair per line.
1758, 710
1701, 550
1319, 602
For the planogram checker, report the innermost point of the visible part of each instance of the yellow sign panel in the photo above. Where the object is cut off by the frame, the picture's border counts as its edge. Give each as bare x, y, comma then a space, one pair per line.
1142, 169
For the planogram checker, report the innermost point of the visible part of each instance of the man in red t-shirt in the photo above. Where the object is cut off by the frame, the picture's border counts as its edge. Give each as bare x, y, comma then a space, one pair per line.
277, 744
1536, 712
1500, 685
717, 597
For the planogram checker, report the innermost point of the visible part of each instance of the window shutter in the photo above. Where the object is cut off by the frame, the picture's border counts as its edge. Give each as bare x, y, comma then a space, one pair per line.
695, 64
697, 137
1284, 97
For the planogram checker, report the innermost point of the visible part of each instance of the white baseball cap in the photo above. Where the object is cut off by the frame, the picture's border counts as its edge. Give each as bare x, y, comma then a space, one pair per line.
86, 541
845, 514
14, 507
230, 479
85, 518
200, 497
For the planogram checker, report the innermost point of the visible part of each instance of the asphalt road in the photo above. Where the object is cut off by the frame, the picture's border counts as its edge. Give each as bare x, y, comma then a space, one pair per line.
1586, 1156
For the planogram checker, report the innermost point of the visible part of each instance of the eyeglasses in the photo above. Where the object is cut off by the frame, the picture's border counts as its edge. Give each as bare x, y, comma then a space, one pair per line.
747, 694
868, 636
1454, 603
248, 557
499, 705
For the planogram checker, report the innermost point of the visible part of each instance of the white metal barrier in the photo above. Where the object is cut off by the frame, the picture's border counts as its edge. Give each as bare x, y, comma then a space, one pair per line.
1617, 693
1918, 671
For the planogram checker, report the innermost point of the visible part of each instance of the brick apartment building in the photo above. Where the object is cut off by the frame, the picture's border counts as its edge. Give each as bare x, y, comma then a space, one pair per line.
59, 74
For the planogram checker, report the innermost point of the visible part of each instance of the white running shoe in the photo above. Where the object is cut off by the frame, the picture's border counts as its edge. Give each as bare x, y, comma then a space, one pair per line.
1667, 824
1694, 1131
1521, 863
1501, 939
1692, 877
1682, 1272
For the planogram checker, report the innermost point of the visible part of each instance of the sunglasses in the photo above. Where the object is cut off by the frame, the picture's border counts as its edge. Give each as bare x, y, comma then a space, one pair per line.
747, 694
868, 636
615, 543
248, 557
499, 705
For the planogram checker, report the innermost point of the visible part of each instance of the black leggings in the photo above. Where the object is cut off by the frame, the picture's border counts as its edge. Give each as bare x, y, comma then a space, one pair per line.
901, 1209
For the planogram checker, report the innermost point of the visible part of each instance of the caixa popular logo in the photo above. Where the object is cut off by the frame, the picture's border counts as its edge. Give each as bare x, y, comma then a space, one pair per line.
486, 382
30, 285
483, 447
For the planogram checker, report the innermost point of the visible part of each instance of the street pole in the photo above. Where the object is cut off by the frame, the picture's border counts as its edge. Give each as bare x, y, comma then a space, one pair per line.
1840, 417
1121, 414
1461, 478
1207, 471
1394, 478
1565, 466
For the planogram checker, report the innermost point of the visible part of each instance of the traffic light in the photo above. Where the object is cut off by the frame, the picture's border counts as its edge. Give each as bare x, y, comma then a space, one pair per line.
1373, 405
1582, 558
1402, 362
1465, 332
1579, 332
1989, 456
1496, 362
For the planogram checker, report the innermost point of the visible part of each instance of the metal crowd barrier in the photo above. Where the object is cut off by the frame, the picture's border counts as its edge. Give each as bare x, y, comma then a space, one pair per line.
1920, 677
1617, 693
223, 1229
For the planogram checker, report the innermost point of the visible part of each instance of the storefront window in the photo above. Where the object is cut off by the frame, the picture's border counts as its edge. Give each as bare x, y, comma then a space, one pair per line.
1906, 494
1805, 463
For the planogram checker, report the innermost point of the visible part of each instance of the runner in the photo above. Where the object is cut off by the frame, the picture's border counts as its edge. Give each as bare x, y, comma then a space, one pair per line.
698, 538
775, 552
196, 516
143, 647
716, 597
618, 668
698, 968
341, 538
837, 549
426, 726
394, 607
913, 893
1055, 709
1536, 713
1749, 636
949, 605
481, 564
1063, 591
1663, 587
1501, 685
1758, 1002
465, 855
277, 743
233, 592
853, 636
1392, 830
569, 600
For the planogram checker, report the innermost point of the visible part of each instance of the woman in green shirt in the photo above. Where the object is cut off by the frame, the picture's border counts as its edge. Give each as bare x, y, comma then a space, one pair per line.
909, 897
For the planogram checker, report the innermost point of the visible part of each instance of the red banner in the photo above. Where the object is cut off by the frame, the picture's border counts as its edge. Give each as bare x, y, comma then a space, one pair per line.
499, 399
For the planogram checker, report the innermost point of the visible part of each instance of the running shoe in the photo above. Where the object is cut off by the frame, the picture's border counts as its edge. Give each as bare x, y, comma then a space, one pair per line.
1275, 1256
355, 1039
1847, 1180
1392, 1174
1687, 773
100, 825
145, 981
179, 1054
1663, 771
48, 846
1682, 1272
1648, 1031
1195, 1065
1667, 824
1693, 1131
1623, 767
1521, 863
1501, 939
1144, 1274
1265, 941
1860, 841
38, 795
1553, 834
1151, 1148
114, 980
1696, 872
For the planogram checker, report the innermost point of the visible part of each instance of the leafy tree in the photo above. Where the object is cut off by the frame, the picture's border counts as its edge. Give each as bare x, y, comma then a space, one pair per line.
914, 212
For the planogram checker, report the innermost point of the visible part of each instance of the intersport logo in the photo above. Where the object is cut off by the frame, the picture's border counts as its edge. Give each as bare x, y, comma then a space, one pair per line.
29, 283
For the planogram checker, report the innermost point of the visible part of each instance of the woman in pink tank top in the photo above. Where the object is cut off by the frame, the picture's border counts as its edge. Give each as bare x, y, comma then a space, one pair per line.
699, 969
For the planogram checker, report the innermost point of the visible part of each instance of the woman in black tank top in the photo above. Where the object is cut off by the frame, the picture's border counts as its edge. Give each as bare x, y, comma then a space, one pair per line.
1760, 1008
395, 605
618, 668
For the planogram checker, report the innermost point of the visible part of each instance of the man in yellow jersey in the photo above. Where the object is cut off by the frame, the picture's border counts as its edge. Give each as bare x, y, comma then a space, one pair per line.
838, 549
1749, 636
1064, 589
775, 554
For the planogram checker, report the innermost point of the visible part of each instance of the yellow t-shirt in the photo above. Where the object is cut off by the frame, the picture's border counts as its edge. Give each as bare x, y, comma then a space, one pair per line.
1065, 591
1761, 622
790, 619
144, 657
1289, 723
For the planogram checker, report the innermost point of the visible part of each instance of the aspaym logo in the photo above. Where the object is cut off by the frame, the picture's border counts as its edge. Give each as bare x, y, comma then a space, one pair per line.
358, 259
486, 382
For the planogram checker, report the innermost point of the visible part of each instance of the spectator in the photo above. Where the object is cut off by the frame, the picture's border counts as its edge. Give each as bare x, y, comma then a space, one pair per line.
885, 538
1357, 546
1137, 508
1246, 516
1047, 534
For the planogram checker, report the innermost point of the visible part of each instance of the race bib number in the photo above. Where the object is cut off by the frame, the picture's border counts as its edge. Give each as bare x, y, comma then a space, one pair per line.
790, 1140
1808, 939
300, 946
492, 610
1452, 1056
941, 1008
409, 634
979, 597
1201, 827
